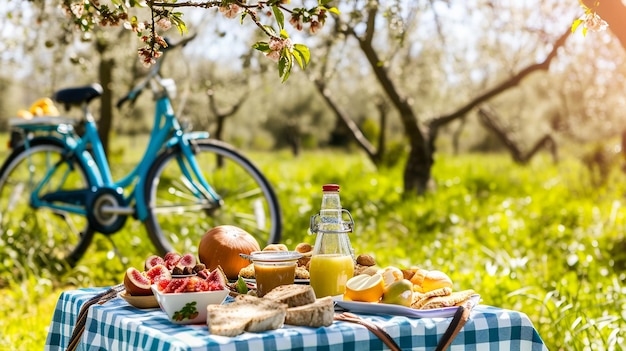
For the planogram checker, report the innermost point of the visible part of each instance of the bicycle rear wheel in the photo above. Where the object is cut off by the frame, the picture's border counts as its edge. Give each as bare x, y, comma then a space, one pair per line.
178, 218
49, 236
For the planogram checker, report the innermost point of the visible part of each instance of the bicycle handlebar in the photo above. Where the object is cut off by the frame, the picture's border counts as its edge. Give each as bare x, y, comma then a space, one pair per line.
134, 93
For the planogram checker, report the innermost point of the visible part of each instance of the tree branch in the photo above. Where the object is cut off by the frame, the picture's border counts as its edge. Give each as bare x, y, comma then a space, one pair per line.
435, 123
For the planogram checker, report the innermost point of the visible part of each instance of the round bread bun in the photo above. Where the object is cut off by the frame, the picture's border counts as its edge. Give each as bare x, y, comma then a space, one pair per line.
304, 248
276, 247
426, 281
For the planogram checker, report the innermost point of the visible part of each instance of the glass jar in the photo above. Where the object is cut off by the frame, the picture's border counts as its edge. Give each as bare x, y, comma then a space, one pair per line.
274, 268
332, 261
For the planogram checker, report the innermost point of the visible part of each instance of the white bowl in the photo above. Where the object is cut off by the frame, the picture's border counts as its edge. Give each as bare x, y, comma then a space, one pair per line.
188, 307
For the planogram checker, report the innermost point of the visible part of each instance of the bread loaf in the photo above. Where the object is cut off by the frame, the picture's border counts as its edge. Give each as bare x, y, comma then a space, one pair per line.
317, 314
246, 313
292, 295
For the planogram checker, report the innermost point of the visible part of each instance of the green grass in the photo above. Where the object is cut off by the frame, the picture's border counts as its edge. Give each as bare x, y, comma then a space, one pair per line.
538, 239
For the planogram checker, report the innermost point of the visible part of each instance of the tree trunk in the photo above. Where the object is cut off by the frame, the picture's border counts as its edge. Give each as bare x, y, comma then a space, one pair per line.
420, 161
106, 107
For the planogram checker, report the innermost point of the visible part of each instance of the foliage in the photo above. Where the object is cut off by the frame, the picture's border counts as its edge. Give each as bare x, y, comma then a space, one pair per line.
538, 239
90, 14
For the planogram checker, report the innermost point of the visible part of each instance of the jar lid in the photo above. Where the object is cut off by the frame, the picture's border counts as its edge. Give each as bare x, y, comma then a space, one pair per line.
275, 256
330, 187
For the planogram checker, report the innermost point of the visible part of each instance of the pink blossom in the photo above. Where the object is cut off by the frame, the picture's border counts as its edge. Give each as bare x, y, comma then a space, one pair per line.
230, 11
315, 26
273, 55
296, 22
594, 22
276, 44
164, 23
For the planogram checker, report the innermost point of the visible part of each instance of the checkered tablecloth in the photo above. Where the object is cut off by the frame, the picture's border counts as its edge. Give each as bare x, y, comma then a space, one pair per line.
116, 325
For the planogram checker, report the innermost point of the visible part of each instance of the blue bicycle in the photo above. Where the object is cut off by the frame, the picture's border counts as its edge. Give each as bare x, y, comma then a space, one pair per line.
56, 185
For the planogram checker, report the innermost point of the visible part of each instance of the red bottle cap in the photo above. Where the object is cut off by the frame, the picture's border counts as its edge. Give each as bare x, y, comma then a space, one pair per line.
330, 187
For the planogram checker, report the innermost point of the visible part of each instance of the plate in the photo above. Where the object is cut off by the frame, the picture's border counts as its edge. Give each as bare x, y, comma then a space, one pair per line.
148, 301
295, 281
397, 310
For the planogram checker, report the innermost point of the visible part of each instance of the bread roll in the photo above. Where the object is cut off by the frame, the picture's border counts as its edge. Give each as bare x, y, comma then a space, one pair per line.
276, 247
304, 248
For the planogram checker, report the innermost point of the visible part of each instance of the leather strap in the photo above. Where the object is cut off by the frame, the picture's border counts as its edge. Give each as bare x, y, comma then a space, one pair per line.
375, 329
458, 321
101, 298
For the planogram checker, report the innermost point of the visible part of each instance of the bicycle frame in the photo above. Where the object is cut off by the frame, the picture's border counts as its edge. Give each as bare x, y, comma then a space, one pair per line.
166, 133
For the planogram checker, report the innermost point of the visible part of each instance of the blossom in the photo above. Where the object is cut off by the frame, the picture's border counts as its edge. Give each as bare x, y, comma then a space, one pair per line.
296, 21
273, 55
315, 26
230, 11
135, 26
164, 23
77, 9
593, 22
275, 44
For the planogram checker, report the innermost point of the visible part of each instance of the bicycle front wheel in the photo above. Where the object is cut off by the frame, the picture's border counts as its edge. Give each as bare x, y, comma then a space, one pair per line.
44, 235
178, 217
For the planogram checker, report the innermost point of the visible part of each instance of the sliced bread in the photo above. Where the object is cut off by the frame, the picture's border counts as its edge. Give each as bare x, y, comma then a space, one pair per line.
293, 295
246, 313
320, 313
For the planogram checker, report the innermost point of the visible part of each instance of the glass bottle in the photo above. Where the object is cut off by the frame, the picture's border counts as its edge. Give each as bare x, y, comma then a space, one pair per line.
332, 262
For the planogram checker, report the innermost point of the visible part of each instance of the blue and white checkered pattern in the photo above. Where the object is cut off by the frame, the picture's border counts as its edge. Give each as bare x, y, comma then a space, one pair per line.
116, 325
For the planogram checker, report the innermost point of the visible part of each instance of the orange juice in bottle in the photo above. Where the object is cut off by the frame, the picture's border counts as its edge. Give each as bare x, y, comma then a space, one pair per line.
329, 273
332, 262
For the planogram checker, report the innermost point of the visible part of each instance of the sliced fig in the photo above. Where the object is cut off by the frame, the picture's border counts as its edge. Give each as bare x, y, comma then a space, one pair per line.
176, 285
171, 259
136, 283
162, 284
187, 260
157, 273
216, 280
195, 284
153, 261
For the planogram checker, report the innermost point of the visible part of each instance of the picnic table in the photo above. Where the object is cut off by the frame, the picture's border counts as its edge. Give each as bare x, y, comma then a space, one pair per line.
116, 325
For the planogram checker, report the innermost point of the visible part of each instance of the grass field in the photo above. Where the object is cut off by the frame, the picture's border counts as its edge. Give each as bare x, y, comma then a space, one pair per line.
539, 239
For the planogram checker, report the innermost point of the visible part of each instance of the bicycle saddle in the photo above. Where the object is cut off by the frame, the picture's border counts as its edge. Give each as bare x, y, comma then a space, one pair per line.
78, 95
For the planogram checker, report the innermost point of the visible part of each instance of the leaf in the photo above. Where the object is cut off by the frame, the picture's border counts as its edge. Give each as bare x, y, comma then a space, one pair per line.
178, 22
280, 17
242, 287
261, 46
334, 10
575, 24
284, 65
270, 30
302, 55
284, 34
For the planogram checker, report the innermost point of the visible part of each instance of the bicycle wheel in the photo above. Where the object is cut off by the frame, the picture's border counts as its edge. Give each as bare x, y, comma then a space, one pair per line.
178, 219
49, 236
